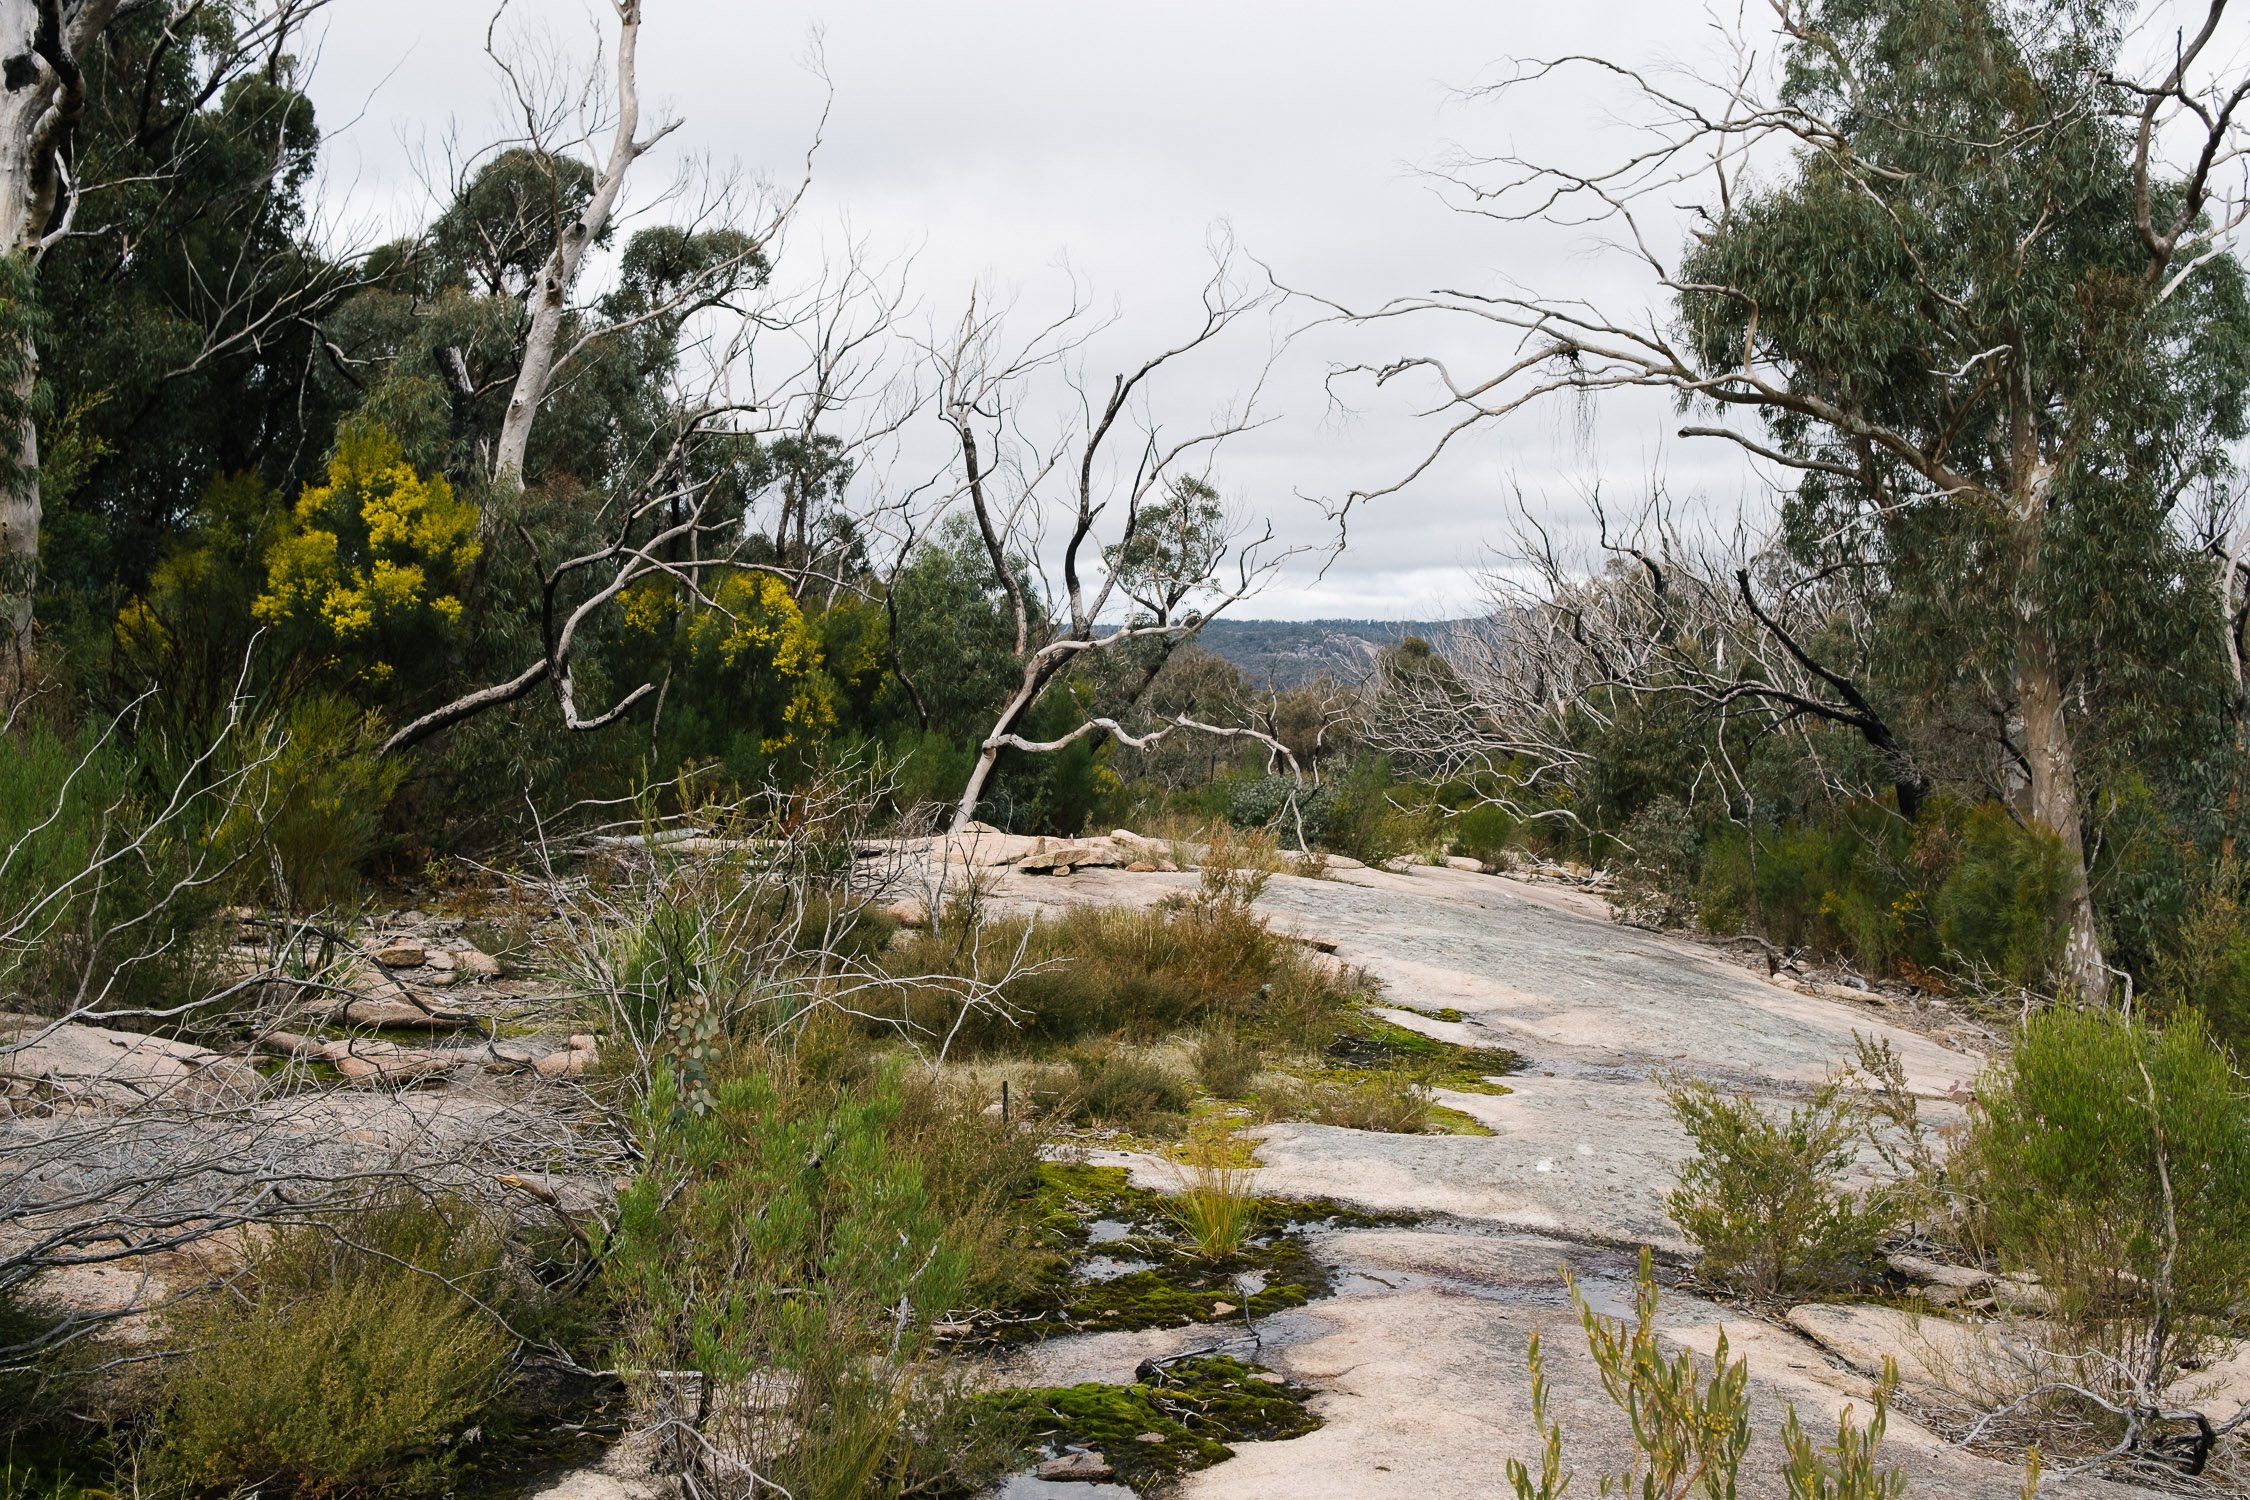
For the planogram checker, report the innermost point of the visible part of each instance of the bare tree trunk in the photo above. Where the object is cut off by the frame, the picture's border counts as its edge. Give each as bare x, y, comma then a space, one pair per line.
2047, 749
2055, 803
1035, 679
44, 93
549, 302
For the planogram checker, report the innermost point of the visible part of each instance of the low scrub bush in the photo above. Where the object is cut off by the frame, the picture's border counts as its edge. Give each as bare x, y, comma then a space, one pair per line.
789, 1244
1226, 1061
354, 1351
1689, 1420
1395, 1100
2111, 1158
1120, 972
1363, 812
1114, 1085
1765, 1197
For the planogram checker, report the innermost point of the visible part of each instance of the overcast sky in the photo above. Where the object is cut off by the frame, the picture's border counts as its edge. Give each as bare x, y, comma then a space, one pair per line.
995, 138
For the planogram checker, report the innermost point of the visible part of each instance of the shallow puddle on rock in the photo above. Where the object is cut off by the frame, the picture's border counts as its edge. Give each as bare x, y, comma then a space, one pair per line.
1107, 1231
1032, 1487
1108, 1267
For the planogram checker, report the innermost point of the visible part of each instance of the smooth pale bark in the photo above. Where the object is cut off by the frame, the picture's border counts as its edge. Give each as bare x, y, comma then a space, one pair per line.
549, 303
1035, 679
42, 94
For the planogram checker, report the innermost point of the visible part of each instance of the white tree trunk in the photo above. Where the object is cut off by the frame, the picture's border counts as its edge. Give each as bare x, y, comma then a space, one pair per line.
549, 302
41, 94
988, 754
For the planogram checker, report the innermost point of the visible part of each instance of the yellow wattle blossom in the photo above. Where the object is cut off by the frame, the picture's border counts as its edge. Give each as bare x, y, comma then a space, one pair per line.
759, 628
378, 545
647, 607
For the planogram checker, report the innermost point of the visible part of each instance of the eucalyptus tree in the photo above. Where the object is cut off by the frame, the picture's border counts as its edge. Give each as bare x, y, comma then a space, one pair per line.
613, 438
165, 63
1970, 284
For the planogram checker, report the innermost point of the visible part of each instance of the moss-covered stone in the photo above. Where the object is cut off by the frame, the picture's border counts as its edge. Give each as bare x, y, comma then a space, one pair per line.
1193, 1409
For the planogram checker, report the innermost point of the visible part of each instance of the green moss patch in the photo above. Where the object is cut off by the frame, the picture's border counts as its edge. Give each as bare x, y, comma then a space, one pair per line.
1446, 1120
1191, 1411
1167, 1283
1373, 1042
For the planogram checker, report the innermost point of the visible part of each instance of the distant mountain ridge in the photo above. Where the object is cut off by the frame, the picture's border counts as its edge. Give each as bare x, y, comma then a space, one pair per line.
1289, 653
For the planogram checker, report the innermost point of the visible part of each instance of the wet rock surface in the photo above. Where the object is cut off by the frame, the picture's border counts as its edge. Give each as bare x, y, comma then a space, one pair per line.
1417, 1354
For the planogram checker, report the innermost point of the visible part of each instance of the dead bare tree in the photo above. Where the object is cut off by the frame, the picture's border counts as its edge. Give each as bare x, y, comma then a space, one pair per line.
1721, 623
1149, 553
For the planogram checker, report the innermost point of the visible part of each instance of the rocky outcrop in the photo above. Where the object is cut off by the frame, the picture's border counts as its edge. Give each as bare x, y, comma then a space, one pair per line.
71, 1064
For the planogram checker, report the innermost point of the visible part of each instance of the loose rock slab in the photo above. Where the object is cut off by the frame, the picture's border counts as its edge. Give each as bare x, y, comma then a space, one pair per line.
77, 1064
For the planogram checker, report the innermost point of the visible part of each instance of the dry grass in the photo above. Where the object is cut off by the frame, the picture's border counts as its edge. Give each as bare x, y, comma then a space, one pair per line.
1124, 973
1394, 1100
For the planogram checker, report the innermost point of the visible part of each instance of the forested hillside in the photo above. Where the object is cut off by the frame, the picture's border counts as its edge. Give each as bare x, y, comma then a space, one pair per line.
1294, 653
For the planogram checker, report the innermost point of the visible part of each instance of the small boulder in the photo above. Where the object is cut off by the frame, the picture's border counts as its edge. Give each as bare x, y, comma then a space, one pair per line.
383, 1062
570, 1062
1086, 1467
378, 1011
401, 953
476, 965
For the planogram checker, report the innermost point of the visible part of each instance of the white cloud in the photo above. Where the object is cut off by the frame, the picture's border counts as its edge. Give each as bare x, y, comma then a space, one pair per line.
996, 135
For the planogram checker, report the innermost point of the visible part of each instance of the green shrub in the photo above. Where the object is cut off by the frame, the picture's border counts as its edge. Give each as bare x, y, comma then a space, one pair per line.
1483, 833
1689, 1421
2206, 966
1364, 822
1764, 1196
1656, 876
792, 1243
315, 809
2112, 1159
2000, 909
106, 890
358, 1351
1848, 885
